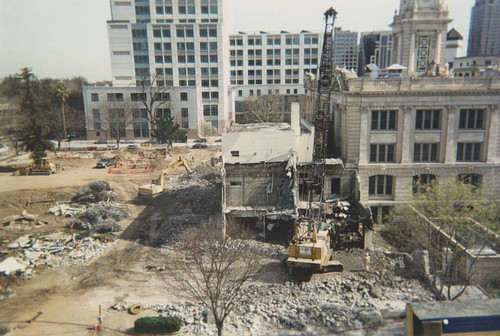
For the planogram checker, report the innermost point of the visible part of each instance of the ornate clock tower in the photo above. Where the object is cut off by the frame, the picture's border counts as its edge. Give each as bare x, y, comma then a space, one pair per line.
419, 33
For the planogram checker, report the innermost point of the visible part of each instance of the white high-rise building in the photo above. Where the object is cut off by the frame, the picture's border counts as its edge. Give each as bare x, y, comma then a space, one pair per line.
179, 44
277, 63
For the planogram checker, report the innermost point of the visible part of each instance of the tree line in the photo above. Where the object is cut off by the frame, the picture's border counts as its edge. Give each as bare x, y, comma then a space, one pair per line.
34, 110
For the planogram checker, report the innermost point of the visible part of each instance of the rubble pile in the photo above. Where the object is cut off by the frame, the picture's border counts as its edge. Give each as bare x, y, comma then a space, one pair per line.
97, 191
31, 252
20, 221
92, 210
100, 218
326, 303
198, 198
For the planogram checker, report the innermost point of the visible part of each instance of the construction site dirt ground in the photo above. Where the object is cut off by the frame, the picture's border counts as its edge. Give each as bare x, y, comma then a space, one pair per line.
65, 300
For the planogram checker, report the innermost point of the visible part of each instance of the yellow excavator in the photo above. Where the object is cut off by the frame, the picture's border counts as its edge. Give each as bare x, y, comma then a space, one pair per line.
157, 186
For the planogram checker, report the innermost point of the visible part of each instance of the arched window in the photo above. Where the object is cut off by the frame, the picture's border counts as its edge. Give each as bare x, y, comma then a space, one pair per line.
423, 182
381, 185
473, 179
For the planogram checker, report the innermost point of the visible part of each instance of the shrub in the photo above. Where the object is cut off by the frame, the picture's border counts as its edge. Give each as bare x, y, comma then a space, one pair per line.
158, 324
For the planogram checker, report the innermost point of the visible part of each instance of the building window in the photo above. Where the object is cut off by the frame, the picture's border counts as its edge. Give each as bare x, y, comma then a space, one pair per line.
235, 183
184, 96
380, 185
94, 97
384, 120
184, 113
96, 114
471, 119
97, 124
473, 179
423, 182
210, 110
428, 120
469, 151
235, 153
164, 113
382, 153
423, 52
115, 97
425, 153
138, 96
141, 129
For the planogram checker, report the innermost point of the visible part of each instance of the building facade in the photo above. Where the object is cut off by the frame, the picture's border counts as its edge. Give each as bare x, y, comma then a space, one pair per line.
375, 47
345, 49
477, 66
421, 127
419, 35
180, 44
484, 32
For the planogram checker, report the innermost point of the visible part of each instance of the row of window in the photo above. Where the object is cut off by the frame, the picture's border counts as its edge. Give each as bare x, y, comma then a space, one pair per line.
383, 185
424, 152
134, 96
275, 62
292, 40
161, 59
427, 120
190, 9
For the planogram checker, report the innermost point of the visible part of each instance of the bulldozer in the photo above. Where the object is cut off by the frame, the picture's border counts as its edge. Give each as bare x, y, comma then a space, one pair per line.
41, 166
157, 186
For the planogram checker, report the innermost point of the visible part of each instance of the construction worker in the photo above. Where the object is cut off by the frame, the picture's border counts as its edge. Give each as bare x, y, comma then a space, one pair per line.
367, 262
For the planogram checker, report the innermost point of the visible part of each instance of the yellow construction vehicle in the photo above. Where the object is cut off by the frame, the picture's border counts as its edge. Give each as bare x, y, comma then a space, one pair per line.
157, 186
311, 248
41, 166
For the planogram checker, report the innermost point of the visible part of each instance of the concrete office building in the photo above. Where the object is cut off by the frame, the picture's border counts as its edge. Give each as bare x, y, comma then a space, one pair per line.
345, 49
484, 31
180, 44
268, 62
375, 47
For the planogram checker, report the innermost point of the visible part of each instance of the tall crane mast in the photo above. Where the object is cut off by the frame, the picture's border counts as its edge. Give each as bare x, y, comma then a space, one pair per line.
324, 89
311, 247
322, 113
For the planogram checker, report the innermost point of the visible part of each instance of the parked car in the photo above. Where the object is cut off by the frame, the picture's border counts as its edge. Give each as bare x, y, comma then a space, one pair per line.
148, 143
106, 162
132, 146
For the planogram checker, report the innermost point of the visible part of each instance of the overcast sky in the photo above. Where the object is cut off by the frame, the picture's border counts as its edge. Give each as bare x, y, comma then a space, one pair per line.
65, 38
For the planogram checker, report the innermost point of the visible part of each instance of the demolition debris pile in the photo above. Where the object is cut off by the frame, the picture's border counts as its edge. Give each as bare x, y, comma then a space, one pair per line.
328, 303
91, 214
197, 198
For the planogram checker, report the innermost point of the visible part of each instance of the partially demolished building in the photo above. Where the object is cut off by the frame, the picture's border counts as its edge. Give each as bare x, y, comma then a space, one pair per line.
385, 134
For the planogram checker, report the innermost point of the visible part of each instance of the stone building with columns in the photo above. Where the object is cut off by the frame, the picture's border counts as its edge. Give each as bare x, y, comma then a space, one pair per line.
425, 125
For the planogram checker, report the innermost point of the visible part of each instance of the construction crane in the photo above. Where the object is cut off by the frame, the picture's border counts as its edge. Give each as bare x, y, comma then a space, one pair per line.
157, 186
311, 245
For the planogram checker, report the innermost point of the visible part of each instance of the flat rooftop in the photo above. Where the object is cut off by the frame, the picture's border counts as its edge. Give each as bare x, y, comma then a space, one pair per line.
260, 127
455, 309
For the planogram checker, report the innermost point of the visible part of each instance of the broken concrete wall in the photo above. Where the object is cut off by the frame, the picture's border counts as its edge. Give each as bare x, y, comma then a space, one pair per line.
259, 185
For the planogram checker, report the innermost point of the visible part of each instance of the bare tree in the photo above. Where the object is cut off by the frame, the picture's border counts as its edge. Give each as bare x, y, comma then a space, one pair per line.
117, 118
154, 95
207, 129
213, 268
440, 221
261, 109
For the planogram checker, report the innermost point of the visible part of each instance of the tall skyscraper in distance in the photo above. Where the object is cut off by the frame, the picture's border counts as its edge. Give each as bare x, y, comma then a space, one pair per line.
345, 49
484, 31
375, 47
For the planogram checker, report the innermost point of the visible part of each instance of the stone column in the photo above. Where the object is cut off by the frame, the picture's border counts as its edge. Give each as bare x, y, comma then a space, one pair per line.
437, 57
491, 134
407, 132
451, 145
364, 136
412, 50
